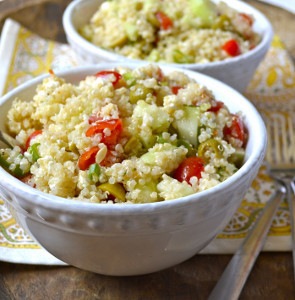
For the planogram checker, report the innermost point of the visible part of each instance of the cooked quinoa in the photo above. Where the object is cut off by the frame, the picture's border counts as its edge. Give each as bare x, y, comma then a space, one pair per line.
123, 136
174, 31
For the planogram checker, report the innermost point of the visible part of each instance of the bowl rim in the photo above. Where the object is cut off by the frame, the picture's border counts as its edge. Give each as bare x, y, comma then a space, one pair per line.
72, 34
37, 197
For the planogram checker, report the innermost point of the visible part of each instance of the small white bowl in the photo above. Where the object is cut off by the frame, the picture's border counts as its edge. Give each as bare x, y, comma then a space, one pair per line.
133, 239
236, 72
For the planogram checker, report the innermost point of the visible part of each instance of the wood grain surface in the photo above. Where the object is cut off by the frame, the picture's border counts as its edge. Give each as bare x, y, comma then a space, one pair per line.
271, 277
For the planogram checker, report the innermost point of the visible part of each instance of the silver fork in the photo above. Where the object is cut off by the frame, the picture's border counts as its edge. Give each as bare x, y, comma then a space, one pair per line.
280, 158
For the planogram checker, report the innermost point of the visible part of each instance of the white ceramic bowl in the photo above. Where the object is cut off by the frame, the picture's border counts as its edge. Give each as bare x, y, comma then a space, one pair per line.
236, 72
137, 238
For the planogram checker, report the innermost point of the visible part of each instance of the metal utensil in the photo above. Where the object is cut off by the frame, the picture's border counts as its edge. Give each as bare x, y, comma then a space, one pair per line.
236, 273
281, 160
280, 156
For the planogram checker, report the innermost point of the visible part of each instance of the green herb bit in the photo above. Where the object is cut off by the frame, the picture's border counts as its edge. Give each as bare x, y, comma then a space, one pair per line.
94, 172
182, 142
3, 162
34, 151
222, 172
180, 57
161, 139
18, 172
191, 150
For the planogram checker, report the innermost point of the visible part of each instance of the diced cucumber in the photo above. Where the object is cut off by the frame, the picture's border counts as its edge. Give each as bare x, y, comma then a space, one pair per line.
204, 10
165, 156
149, 158
155, 153
148, 140
146, 190
150, 120
154, 55
188, 126
131, 31
158, 118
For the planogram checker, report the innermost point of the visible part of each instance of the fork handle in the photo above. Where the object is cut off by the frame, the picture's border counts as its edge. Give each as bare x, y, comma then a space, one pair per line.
237, 271
291, 203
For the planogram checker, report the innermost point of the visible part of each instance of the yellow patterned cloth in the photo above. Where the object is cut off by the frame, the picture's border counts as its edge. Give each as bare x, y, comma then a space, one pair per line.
272, 91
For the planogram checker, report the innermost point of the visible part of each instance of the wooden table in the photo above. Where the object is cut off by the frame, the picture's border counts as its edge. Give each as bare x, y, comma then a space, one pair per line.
271, 277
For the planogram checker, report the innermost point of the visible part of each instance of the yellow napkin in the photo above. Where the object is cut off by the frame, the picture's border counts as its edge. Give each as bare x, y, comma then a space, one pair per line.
272, 87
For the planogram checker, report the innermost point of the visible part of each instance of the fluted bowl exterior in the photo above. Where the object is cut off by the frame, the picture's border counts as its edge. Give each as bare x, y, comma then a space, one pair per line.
133, 239
237, 71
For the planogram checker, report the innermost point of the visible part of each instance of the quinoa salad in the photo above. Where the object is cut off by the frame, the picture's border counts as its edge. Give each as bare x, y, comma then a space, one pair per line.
174, 31
123, 136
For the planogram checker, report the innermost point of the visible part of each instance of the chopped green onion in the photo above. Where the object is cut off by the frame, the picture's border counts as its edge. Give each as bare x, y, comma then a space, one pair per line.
191, 151
34, 151
180, 57
161, 140
94, 172
182, 142
3, 162
18, 172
